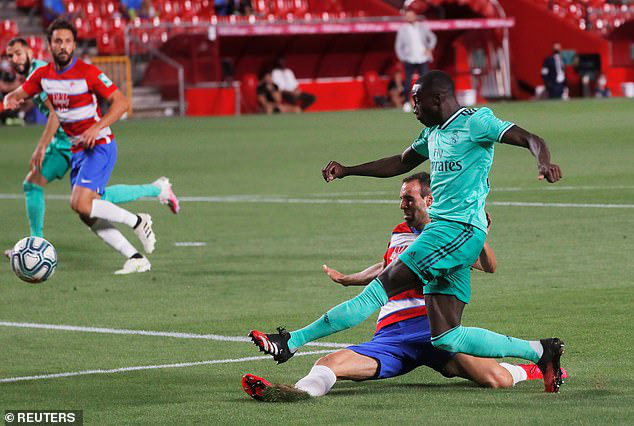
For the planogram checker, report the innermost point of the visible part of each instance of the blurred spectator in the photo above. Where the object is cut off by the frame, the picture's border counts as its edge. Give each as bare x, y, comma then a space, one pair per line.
285, 79
132, 8
52, 9
396, 90
243, 7
8, 82
223, 7
414, 45
602, 91
554, 74
269, 95
148, 11
230, 7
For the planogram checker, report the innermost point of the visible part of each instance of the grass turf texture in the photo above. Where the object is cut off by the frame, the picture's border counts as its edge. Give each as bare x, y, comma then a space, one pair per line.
562, 271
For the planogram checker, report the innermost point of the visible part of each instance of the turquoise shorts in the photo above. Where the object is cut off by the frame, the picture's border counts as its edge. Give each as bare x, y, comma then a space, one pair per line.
56, 163
442, 257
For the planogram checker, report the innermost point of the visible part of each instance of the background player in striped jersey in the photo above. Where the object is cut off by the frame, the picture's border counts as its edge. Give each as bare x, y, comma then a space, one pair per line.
72, 86
402, 340
51, 157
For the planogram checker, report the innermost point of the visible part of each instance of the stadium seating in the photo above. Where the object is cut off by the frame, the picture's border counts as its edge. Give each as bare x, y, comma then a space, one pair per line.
94, 18
8, 30
597, 15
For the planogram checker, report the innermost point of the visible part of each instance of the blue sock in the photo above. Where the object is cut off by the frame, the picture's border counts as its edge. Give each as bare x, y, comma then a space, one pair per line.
35, 207
484, 343
343, 316
118, 194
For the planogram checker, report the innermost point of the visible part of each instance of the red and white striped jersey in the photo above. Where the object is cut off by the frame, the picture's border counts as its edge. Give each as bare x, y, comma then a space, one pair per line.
73, 92
410, 303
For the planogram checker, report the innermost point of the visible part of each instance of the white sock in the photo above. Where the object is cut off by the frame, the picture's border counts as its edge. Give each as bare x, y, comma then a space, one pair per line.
318, 382
537, 347
106, 210
517, 372
111, 236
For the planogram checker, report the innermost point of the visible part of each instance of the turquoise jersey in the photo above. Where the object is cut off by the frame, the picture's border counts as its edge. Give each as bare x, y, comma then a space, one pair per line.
461, 153
60, 139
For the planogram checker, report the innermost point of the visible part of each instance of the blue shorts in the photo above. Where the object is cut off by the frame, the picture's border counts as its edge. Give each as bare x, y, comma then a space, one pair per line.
403, 346
91, 168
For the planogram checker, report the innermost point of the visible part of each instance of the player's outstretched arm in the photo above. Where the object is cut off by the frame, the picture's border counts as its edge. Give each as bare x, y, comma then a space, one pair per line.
536, 145
486, 261
119, 104
360, 278
383, 168
14, 99
47, 136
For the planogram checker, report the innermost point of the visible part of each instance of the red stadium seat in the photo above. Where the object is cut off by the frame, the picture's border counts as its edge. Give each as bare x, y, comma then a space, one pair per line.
27, 4
372, 87
248, 92
9, 29
84, 30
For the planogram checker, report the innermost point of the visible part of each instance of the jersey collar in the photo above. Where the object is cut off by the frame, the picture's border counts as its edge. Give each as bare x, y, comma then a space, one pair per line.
69, 66
452, 118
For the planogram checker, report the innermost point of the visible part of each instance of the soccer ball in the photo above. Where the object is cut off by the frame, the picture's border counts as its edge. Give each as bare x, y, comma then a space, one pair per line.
33, 259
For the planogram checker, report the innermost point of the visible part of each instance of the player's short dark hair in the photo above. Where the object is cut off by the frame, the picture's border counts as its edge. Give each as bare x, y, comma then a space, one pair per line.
61, 24
18, 40
424, 181
437, 80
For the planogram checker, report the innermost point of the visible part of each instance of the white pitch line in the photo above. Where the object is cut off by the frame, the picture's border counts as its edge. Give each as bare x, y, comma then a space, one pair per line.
177, 335
577, 205
287, 200
146, 367
494, 189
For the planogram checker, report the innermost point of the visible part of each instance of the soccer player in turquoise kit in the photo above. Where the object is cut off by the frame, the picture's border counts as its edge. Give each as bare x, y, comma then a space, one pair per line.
52, 156
459, 143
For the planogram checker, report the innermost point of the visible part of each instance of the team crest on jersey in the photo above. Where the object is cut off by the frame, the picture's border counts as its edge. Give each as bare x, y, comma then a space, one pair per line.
454, 137
60, 101
105, 80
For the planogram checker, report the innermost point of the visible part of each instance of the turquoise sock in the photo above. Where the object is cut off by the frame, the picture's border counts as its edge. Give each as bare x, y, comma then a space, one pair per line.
484, 343
343, 316
118, 194
35, 207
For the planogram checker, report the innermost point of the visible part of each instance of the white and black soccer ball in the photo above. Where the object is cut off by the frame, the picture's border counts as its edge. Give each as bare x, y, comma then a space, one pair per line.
33, 259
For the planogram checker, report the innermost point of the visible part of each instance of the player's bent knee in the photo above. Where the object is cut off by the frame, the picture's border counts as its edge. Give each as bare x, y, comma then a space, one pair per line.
35, 178
83, 207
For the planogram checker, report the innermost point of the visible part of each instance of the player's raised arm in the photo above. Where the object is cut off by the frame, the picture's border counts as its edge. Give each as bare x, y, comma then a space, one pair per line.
536, 145
383, 168
119, 104
360, 278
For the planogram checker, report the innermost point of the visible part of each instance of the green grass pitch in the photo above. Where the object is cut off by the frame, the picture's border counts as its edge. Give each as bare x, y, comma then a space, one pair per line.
562, 270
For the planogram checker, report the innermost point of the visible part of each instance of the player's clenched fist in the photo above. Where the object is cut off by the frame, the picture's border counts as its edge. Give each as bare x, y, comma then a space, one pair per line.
550, 172
332, 171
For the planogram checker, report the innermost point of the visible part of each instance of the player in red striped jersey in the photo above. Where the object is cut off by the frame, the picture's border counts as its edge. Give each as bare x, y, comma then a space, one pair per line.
73, 87
402, 340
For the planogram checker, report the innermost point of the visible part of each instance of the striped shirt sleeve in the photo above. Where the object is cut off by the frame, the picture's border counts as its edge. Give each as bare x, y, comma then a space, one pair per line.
32, 85
99, 83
